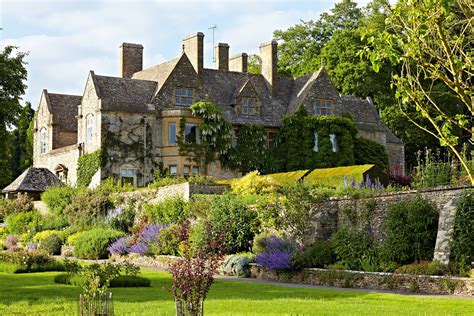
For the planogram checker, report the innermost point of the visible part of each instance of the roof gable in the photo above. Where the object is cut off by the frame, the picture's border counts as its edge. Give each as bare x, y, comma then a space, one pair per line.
64, 108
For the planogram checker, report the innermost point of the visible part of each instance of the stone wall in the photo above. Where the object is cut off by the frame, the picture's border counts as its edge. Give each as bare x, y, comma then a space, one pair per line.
443, 285
331, 214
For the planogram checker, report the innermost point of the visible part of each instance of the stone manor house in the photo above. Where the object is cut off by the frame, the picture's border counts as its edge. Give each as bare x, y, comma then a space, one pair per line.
135, 117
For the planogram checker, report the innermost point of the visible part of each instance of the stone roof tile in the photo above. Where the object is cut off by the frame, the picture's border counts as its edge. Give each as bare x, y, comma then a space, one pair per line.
33, 180
65, 108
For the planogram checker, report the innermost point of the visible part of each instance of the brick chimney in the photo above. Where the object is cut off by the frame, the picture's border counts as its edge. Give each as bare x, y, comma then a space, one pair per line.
268, 53
194, 48
238, 62
131, 59
222, 56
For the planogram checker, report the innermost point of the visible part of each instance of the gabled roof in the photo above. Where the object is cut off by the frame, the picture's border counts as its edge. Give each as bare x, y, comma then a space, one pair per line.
223, 86
64, 107
124, 94
158, 73
33, 180
365, 116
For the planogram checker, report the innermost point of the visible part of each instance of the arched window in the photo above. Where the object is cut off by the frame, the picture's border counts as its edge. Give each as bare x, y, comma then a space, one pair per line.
89, 128
43, 140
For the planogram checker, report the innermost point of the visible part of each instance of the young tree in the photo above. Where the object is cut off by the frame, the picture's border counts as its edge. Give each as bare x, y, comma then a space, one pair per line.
12, 77
431, 40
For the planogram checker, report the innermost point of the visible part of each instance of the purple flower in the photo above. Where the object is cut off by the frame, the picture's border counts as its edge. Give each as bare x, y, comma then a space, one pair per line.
139, 248
150, 233
11, 241
368, 182
120, 246
113, 214
353, 183
280, 260
32, 246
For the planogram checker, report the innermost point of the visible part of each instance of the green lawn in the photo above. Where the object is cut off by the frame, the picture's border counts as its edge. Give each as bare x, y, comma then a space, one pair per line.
37, 294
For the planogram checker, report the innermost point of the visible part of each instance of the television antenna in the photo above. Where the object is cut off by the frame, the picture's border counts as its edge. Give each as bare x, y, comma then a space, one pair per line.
213, 28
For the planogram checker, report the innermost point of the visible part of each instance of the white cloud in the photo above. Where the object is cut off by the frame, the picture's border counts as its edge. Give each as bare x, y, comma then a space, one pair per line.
66, 39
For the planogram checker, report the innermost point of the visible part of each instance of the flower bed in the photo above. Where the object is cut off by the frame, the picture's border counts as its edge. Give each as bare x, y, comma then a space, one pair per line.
370, 280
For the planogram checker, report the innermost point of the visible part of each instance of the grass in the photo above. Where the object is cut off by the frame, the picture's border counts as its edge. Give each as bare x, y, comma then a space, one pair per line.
37, 294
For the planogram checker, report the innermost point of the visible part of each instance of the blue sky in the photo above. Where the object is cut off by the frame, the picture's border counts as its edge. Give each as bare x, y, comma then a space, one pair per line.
65, 39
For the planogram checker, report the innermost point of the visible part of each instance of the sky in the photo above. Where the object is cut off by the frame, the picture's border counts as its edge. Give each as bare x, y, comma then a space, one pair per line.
65, 39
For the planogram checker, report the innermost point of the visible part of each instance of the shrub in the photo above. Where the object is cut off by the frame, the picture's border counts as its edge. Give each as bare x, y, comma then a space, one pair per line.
424, 268
23, 261
370, 152
92, 244
411, 228
254, 183
25, 222
53, 222
40, 236
169, 211
58, 198
318, 255
11, 241
122, 218
71, 239
350, 245
236, 265
51, 244
169, 241
165, 181
229, 213
463, 236
88, 208
119, 281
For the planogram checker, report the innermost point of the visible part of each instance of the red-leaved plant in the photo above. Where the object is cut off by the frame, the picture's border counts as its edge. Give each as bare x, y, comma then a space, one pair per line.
193, 273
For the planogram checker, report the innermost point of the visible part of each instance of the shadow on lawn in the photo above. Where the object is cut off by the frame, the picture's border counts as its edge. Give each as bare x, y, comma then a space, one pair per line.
37, 288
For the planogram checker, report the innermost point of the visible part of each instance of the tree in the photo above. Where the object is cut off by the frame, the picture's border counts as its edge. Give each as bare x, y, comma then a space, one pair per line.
431, 41
301, 44
12, 76
214, 139
22, 144
254, 64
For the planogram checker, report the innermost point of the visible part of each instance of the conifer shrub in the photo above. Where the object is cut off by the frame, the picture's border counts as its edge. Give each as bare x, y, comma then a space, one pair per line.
93, 243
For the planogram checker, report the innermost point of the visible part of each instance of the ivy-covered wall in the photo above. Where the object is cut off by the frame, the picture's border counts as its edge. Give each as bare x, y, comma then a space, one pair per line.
88, 165
298, 148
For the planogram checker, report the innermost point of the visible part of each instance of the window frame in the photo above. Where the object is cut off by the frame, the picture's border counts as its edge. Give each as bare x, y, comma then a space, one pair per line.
124, 175
196, 140
186, 99
245, 106
169, 170
324, 107
195, 168
43, 140
172, 142
90, 120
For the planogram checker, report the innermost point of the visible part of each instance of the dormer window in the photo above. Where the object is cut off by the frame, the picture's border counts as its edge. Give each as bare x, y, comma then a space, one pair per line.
183, 96
248, 106
323, 107
43, 140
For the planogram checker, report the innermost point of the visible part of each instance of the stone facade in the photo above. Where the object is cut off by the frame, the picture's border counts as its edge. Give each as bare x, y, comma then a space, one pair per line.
129, 117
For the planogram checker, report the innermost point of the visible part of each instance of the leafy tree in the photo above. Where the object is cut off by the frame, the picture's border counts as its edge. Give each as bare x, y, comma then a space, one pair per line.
254, 65
431, 42
214, 139
302, 43
12, 76
22, 144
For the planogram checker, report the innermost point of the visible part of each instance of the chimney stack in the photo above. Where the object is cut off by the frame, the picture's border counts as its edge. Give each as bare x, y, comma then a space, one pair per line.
268, 53
194, 48
222, 56
238, 62
131, 59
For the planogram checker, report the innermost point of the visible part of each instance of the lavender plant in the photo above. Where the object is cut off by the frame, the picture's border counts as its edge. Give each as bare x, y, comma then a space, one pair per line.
278, 253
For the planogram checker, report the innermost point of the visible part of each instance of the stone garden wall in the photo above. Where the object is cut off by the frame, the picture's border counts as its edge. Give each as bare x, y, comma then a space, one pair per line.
370, 280
335, 212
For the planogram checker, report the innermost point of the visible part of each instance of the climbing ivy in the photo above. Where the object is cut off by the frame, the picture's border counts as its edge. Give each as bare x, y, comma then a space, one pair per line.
250, 152
87, 166
214, 141
296, 141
